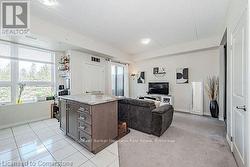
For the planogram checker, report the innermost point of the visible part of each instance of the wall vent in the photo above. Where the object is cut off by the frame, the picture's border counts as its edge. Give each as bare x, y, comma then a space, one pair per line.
95, 59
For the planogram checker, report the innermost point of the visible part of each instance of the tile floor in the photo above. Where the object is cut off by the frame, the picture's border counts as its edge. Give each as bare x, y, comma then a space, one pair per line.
42, 143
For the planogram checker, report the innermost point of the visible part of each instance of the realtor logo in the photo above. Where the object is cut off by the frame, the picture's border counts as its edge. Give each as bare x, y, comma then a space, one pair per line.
14, 17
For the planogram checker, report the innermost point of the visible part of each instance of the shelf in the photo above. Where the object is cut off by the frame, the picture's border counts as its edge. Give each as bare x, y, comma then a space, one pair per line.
63, 62
64, 76
63, 70
160, 73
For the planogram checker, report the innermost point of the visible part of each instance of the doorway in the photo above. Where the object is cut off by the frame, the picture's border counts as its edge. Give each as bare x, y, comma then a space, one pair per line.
223, 77
117, 73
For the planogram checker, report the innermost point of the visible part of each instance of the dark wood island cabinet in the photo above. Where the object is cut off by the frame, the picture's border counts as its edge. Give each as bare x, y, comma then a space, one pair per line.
90, 120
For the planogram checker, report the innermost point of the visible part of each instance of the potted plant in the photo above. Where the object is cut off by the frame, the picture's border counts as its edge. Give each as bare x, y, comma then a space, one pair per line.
212, 89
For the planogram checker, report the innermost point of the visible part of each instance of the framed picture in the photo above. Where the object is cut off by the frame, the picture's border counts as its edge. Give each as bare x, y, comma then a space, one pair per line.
182, 75
155, 70
141, 78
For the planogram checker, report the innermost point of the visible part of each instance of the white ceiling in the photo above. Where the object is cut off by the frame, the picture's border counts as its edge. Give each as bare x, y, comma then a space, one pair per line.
48, 44
122, 23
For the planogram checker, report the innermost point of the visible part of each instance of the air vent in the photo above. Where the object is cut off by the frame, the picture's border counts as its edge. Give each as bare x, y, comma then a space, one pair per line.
95, 59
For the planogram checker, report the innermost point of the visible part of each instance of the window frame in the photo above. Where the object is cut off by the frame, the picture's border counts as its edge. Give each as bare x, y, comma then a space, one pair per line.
15, 78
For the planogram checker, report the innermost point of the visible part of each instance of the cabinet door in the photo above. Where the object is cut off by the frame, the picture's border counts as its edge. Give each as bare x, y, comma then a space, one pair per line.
73, 116
63, 112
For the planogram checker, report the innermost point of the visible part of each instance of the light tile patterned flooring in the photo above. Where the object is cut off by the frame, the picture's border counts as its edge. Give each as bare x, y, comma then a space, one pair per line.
42, 143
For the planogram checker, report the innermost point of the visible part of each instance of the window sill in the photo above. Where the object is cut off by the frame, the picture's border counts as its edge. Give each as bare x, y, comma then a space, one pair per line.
26, 103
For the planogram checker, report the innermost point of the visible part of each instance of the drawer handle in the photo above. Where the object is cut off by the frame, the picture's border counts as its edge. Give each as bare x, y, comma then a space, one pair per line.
81, 112
82, 118
83, 127
82, 109
83, 139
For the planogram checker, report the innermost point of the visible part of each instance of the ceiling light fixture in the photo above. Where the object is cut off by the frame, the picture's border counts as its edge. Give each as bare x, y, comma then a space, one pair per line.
49, 2
145, 41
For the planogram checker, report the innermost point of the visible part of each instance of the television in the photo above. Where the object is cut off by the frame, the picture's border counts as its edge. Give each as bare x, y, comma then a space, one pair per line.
161, 88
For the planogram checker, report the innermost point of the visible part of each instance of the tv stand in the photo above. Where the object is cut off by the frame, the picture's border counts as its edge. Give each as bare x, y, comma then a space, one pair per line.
167, 99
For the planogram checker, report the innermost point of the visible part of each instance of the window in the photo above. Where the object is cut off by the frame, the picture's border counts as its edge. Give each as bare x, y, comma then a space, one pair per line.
30, 71
5, 73
30, 66
5, 70
5, 95
117, 80
33, 93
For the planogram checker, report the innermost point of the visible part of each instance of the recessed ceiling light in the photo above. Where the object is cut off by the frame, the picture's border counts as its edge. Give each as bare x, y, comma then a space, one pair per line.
49, 2
145, 41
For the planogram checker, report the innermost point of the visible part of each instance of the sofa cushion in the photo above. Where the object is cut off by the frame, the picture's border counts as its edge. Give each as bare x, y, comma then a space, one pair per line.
161, 121
138, 102
163, 108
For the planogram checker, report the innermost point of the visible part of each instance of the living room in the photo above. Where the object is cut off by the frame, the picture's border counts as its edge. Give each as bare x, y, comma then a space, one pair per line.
126, 83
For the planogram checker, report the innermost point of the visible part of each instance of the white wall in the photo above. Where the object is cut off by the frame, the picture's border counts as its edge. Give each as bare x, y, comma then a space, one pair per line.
16, 114
201, 64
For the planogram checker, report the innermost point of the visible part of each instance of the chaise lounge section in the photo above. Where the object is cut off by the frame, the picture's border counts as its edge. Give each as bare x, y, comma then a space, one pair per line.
142, 115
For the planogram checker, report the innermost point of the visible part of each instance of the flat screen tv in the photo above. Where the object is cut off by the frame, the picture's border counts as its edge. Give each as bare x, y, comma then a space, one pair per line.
158, 88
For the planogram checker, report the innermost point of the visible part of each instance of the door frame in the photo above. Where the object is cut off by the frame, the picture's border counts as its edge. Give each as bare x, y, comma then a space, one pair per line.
126, 77
248, 85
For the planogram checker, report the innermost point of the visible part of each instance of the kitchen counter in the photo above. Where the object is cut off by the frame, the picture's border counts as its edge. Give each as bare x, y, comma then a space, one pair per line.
90, 99
90, 120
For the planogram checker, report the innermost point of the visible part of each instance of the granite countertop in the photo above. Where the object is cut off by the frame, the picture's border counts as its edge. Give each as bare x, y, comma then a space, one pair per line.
90, 99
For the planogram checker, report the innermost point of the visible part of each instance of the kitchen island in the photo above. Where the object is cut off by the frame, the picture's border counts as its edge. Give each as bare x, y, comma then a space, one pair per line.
90, 120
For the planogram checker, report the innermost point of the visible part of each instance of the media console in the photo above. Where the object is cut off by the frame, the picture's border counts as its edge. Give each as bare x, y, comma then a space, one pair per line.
167, 99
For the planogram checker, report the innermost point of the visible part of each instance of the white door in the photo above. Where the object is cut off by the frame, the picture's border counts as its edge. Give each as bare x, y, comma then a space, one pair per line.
94, 78
239, 117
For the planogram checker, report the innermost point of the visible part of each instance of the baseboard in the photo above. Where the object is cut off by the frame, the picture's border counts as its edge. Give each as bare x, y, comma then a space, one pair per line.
229, 142
188, 112
182, 110
22, 123
221, 118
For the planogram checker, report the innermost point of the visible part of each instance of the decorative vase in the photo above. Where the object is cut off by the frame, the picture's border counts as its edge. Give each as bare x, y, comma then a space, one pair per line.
214, 109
